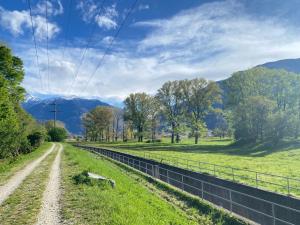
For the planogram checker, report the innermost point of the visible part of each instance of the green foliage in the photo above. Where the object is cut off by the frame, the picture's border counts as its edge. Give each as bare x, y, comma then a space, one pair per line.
9, 125
98, 122
15, 124
36, 138
137, 109
57, 134
265, 104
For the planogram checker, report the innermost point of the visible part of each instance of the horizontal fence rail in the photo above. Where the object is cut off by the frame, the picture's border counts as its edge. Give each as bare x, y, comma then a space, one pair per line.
281, 184
257, 205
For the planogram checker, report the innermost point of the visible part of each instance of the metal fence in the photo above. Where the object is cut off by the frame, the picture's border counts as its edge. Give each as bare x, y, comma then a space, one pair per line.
267, 181
254, 204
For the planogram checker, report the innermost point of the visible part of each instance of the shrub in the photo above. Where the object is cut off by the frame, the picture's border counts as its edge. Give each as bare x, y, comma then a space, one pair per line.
36, 139
57, 134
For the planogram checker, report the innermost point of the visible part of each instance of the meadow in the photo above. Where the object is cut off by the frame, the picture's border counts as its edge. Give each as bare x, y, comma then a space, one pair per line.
232, 161
134, 199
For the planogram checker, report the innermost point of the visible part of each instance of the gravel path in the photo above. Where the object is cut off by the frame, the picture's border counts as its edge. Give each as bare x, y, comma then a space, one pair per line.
49, 214
13, 183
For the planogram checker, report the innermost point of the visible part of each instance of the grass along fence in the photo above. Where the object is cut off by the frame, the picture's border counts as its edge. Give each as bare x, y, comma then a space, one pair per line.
267, 181
256, 205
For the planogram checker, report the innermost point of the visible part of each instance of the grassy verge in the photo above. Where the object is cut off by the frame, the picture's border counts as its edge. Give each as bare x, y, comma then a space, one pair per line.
192, 205
23, 206
282, 159
130, 202
9, 166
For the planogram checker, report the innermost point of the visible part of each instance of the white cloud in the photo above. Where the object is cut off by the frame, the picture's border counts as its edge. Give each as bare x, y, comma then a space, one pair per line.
211, 41
105, 17
143, 7
18, 21
107, 40
105, 22
88, 9
54, 8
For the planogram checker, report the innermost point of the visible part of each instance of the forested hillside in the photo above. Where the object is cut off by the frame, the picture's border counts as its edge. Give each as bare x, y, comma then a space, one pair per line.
19, 132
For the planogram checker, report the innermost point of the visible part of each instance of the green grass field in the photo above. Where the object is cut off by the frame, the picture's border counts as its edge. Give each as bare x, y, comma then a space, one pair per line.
134, 200
281, 160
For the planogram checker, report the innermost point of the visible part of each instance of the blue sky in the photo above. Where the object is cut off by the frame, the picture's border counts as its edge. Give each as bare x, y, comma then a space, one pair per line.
160, 41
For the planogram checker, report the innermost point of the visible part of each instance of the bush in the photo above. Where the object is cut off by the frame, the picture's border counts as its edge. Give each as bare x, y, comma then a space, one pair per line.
57, 134
25, 146
36, 139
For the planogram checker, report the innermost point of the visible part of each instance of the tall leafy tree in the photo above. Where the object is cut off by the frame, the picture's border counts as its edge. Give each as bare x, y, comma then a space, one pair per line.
137, 109
170, 96
199, 96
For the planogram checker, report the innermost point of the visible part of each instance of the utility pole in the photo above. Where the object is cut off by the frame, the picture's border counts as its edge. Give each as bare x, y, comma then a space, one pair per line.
54, 111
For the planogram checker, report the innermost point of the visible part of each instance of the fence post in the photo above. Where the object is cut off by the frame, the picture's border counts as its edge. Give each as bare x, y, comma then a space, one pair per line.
256, 180
182, 184
288, 185
273, 214
168, 181
202, 189
214, 170
230, 200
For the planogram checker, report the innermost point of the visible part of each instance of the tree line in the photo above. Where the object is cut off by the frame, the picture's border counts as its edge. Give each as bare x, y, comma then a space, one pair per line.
19, 132
256, 105
178, 105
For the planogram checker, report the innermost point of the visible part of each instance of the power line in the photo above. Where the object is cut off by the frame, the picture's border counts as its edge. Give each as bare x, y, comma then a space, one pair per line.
111, 43
86, 48
34, 40
68, 26
54, 111
47, 45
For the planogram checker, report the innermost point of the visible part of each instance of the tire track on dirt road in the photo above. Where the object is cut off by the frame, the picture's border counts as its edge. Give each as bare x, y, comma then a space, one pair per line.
14, 182
49, 213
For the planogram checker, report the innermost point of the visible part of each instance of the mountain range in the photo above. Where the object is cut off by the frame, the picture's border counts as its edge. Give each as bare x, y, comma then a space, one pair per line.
72, 109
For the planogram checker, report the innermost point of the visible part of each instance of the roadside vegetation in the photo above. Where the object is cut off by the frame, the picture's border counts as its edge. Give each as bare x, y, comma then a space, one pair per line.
11, 165
130, 202
23, 206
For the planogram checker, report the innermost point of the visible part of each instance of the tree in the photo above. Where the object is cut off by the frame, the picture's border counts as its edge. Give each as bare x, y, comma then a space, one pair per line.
15, 124
98, 123
170, 96
57, 134
137, 109
199, 96
9, 124
252, 119
117, 119
154, 113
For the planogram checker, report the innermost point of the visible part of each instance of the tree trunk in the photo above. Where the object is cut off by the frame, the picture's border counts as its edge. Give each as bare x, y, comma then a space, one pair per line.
196, 137
177, 138
173, 134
